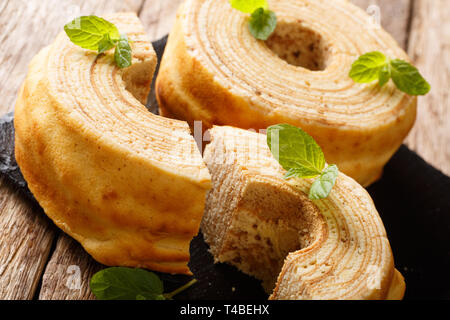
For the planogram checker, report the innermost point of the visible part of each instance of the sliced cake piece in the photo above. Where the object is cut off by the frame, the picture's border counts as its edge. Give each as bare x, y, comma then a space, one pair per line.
334, 248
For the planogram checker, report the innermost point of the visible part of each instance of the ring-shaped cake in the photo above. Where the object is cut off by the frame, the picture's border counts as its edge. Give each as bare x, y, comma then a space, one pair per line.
213, 70
102, 167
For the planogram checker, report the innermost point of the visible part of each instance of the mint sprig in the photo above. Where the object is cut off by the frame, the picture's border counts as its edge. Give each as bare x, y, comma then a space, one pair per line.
321, 188
88, 31
122, 54
376, 66
120, 283
95, 33
408, 79
262, 21
300, 155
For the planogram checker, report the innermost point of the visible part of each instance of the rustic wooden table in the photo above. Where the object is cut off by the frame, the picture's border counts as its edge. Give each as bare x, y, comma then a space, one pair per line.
36, 259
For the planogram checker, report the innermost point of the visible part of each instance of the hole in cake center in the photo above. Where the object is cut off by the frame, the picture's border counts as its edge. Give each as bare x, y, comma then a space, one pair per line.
299, 46
285, 222
137, 79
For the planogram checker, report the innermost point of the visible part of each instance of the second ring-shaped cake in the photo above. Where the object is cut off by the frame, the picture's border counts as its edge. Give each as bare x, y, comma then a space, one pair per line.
128, 185
215, 71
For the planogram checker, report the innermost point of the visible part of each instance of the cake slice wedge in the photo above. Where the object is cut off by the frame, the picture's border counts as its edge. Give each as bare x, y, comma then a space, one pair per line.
335, 248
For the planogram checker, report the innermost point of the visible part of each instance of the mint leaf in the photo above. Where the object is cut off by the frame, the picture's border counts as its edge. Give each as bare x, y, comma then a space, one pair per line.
321, 188
368, 67
374, 65
106, 43
248, 6
296, 151
88, 31
122, 54
262, 23
94, 33
408, 79
120, 283
385, 75
302, 157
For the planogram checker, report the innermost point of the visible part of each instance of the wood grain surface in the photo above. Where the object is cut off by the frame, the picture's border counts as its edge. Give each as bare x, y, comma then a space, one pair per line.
37, 260
394, 16
26, 237
429, 47
68, 272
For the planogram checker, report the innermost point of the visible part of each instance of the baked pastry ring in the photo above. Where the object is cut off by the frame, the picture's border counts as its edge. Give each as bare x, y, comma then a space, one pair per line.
104, 169
215, 71
334, 248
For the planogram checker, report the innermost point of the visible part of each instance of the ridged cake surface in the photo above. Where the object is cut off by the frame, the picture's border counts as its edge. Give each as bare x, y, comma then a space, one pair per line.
215, 71
128, 185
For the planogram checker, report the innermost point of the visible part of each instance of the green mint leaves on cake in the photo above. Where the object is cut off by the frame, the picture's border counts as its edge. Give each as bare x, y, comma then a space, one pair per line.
321, 188
95, 33
122, 54
376, 66
88, 31
300, 155
262, 21
120, 283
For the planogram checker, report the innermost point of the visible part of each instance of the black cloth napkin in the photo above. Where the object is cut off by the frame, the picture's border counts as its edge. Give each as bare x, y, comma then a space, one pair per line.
413, 199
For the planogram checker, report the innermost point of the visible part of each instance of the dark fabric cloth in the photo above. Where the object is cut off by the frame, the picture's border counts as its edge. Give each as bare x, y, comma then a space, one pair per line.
413, 200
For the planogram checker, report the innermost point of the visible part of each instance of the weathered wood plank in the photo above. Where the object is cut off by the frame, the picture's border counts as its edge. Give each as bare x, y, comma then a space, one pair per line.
26, 237
393, 15
26, 234
429, 47
158, 17
68, 272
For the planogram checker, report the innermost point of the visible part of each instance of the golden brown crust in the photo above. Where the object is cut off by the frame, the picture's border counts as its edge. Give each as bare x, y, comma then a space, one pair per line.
335, 248
104, 169
217, 73
397, 287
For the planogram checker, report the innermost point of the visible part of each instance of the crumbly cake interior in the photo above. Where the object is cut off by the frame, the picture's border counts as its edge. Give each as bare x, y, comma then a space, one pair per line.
299, 46
221, 200
258, 242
